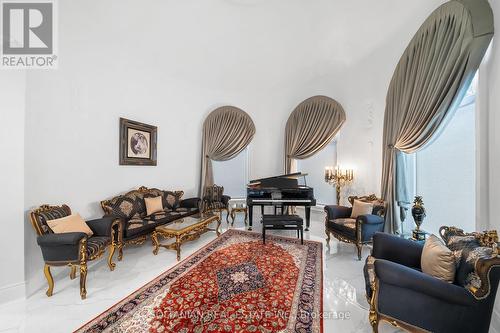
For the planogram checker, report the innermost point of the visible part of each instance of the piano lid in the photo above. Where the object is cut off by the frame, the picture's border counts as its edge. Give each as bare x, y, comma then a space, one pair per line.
283, 181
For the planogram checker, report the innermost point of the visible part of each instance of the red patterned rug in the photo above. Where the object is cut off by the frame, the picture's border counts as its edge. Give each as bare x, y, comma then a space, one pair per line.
233, 284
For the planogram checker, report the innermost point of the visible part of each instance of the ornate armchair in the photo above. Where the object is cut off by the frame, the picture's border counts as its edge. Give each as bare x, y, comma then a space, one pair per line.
73, 248
399, 293
214, 200
358, 230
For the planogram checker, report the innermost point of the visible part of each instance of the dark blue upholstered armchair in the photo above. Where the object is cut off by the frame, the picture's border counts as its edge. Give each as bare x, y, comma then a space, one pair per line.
358, 231
402, 295
74, 249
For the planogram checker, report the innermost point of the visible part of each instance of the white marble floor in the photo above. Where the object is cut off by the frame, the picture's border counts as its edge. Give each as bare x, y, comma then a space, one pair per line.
65, 311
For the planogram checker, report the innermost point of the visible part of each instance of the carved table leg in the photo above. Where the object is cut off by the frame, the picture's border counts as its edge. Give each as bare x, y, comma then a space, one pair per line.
178, 247
156, 243
217, 228
232, 217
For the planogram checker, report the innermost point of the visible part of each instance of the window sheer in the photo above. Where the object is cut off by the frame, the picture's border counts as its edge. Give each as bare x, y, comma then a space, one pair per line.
314, 166
446, 171
232, 174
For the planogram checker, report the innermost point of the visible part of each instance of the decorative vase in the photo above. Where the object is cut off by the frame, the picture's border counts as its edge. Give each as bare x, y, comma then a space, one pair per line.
418, 211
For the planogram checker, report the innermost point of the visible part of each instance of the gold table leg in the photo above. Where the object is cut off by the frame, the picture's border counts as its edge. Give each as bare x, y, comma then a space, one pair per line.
217, 228
178, 247
156, 243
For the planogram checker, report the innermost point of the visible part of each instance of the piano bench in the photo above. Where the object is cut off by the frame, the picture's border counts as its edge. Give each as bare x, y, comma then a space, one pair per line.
283, 222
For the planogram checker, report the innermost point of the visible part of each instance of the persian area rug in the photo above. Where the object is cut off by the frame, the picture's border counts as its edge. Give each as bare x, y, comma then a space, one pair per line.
233, 284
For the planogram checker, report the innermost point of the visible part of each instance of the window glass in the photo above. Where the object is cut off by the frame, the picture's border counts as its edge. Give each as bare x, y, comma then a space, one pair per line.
314, 166
232, 175
446, 172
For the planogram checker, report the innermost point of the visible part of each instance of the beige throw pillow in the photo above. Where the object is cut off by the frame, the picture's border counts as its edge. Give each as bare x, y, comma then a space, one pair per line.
361, 208
71, 223
438, 260
153, 205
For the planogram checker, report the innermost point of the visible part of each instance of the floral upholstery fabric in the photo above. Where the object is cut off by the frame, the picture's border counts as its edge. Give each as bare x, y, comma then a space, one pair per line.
95, 244
213, 193
52, 214
467, 250
215, 205
369, 272
348, 222
172, 200
125, 206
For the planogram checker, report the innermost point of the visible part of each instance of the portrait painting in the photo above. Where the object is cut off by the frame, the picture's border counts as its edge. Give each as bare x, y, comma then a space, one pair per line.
137, 143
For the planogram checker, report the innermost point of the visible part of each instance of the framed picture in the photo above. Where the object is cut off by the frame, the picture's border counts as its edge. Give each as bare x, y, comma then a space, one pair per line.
137, 143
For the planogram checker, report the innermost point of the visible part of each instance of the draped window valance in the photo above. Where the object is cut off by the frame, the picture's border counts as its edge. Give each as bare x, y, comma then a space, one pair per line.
310, 127
428, 84
226, 132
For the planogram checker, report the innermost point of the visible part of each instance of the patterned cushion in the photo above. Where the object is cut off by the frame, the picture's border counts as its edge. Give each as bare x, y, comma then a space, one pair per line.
467, 249
213, 193
125, 206
94, 244
215, 205
137, 224
172, 200
369, 272
52, 214
156, 216
348, 223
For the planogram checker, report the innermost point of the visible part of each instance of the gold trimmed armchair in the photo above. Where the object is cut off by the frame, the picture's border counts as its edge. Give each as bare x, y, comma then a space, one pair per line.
214, 200
74, 249
393, 273
359, 230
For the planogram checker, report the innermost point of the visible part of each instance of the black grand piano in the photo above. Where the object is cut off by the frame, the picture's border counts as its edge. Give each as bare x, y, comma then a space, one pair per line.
280, 191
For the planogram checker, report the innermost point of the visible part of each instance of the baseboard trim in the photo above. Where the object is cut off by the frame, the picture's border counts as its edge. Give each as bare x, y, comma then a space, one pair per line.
12, 292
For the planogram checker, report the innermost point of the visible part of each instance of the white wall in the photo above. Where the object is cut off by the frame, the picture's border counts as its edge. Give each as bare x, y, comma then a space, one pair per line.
169, 63
490, 82
12, 97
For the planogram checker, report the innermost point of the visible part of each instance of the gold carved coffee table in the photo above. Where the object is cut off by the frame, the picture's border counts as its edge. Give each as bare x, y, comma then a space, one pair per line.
186, 229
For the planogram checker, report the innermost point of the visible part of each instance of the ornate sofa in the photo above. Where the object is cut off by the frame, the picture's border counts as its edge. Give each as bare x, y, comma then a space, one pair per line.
393, 274
73, 248
130, 208
358, 231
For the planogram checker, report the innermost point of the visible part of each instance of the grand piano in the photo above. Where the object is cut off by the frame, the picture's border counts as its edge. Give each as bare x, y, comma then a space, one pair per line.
280, 191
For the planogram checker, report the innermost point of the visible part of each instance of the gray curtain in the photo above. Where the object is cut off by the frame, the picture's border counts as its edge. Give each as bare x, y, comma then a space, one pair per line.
226, 132
310, 127
429, 83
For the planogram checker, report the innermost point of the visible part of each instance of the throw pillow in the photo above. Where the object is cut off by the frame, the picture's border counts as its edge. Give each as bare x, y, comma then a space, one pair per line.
361, 208
438, 260
70, 223
153, 205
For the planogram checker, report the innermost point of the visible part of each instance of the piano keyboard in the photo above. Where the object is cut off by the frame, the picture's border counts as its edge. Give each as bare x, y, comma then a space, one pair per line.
281, 200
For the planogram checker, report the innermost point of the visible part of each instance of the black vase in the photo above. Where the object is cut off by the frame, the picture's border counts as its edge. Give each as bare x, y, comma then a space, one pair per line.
418, 213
